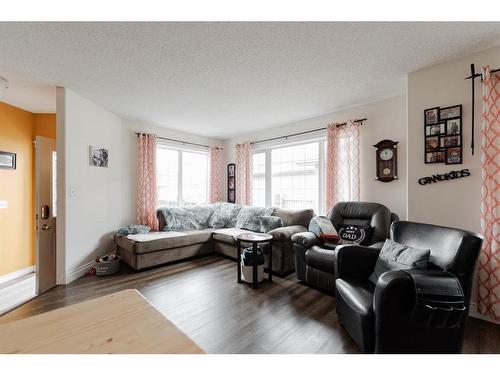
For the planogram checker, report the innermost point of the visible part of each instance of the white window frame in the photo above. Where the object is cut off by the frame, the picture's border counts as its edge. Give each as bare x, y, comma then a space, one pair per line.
267, 147
180, 149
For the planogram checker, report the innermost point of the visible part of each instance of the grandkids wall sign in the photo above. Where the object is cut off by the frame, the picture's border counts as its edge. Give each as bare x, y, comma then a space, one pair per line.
453, 175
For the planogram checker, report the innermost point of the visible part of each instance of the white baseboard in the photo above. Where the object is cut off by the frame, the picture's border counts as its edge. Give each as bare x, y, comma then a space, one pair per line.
78, 272
473, 311
16, 274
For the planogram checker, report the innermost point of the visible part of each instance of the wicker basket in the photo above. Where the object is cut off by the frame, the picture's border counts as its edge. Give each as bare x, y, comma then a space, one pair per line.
108, 267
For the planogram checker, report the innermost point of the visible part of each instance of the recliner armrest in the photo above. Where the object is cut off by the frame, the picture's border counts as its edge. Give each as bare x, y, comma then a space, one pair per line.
306, 239
286, 233
355, 261
391, 287
393, 301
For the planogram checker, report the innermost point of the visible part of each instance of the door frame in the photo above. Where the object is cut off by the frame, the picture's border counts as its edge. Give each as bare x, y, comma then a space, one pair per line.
37, 212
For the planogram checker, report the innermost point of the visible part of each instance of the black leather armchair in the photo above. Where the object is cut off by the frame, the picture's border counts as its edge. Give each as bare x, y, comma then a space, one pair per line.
379, 317
314, 262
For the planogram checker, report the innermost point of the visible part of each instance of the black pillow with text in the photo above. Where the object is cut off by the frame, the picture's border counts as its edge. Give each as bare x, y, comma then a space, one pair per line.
355, 234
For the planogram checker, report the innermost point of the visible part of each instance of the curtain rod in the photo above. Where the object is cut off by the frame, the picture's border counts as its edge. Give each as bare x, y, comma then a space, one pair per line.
473, 76
183, 142
304, 132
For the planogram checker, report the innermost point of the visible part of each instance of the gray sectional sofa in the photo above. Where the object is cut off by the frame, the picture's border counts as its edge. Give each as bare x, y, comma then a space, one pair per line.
203, 234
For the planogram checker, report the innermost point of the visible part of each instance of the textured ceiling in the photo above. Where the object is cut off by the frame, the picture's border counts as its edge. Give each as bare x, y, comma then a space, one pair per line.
28, 93
221, 79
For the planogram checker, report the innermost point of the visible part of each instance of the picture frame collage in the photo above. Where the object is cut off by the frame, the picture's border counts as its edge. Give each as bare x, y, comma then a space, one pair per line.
443, 135
231, 183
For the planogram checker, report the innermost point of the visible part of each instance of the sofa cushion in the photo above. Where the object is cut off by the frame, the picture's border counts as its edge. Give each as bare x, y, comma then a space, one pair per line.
248, 218
294, 217
189, 238
228, 235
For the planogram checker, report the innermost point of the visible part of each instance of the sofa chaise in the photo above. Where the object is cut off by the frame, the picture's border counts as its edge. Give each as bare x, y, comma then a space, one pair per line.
199, 237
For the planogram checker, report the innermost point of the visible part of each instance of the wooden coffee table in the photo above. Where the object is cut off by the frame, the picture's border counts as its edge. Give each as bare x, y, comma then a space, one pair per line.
255, 239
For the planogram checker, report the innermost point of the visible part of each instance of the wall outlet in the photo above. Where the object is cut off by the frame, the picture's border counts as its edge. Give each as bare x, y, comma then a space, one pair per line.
4, 204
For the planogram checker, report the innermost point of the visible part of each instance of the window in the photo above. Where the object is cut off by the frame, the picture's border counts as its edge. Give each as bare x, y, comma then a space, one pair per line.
194, 178
182, 176
259, 179
295, 176
290, 176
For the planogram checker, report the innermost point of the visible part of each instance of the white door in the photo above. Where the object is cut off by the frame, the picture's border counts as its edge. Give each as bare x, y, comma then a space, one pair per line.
45, 214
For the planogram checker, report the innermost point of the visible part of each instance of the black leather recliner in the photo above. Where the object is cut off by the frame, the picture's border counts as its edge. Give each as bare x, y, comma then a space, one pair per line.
314, 262
380, 318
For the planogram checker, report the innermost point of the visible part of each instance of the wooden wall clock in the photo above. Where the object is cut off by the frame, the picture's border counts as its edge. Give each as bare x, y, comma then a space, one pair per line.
386, 160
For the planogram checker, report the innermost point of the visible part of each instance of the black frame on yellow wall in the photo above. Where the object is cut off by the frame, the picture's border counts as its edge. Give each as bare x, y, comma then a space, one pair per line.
14, 160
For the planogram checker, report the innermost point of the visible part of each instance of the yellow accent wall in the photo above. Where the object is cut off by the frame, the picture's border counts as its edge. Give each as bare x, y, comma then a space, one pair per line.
17, 225
45, 125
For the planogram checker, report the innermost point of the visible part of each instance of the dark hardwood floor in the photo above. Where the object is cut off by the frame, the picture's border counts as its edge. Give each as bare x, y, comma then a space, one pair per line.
202, 298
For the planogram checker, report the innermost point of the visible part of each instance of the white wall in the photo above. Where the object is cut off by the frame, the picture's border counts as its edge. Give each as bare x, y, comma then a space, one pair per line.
386, 120
451, 203
96, 201
90, 198
129, 158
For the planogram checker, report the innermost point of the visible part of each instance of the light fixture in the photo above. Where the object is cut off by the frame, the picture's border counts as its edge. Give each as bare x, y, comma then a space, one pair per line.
4, 83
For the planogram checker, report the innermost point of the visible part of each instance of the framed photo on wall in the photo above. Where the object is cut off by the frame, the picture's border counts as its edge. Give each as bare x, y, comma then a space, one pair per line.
452, 112
443, 135
431, 116
8, 160
231, 183
454, 155
98, 157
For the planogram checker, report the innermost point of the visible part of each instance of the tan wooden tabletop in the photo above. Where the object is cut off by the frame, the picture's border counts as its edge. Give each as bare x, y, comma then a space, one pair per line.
122, 322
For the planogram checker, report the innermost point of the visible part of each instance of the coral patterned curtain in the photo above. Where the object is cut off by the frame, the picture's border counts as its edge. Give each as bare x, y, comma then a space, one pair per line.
342, 163
489, 260
215, 193
244, 173
147, 193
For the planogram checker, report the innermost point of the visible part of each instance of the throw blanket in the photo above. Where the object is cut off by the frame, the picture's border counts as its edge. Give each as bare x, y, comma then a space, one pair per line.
322, 227
151, 236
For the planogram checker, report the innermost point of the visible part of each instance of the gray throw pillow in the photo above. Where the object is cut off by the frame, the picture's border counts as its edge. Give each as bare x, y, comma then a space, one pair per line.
395, 256
220, 218
268, 223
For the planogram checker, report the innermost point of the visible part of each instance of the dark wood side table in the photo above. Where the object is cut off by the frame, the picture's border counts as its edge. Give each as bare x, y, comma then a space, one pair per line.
255, 239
